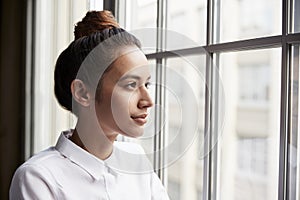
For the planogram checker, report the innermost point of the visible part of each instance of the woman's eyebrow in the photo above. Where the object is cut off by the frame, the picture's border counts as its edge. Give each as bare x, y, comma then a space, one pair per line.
132, 77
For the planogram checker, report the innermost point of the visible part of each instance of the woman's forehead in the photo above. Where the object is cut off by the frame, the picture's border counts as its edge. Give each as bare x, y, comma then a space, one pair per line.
133, 63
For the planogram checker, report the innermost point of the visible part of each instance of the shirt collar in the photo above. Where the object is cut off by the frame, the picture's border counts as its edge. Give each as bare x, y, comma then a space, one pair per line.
90, 163
128, 158
125, 158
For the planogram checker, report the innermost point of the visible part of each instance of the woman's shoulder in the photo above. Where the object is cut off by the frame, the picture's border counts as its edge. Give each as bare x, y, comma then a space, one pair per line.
43, 157
35, 173
40, 162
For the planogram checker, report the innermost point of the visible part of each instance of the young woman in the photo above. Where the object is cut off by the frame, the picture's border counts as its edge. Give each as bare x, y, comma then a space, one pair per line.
103, 78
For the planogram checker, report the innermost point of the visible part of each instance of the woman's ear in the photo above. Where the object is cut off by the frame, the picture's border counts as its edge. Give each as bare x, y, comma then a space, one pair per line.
80, 93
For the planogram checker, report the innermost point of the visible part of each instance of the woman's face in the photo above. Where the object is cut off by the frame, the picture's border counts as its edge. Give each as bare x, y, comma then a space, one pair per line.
124, 98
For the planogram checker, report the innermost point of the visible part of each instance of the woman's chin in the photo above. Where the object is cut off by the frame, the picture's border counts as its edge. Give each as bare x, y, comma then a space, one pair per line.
133, 133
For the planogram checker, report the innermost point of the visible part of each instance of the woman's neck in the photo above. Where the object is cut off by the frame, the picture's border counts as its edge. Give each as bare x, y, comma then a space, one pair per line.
101, 147
75, 139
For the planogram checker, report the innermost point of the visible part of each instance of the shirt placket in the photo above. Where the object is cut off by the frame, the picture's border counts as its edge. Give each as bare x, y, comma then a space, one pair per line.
110, 184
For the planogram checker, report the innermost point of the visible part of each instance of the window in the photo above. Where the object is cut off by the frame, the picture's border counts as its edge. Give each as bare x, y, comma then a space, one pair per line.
252, 157
226, 91
175, 188
245, 19
132, 16
253, 83
185, 122
296, 16
245, 93
250, 141
188, 18
294, 142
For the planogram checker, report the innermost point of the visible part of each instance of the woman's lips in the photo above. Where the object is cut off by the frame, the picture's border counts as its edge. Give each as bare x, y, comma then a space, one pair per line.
140, 119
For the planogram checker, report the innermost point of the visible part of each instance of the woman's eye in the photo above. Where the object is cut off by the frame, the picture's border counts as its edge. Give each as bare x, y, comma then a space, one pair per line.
147, 85
131, 85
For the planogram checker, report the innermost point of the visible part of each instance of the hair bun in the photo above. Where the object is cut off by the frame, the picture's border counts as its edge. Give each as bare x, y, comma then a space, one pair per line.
95, 21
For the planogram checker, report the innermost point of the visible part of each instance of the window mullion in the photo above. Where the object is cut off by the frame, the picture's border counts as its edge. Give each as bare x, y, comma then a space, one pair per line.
160, 118
207, 169
207, 131
284, 107
110, 5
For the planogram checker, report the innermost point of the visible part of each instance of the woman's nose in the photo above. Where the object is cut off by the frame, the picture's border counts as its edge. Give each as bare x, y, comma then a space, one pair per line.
145, 99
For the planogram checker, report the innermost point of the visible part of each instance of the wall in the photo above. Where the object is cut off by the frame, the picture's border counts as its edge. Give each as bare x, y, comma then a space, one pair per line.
12, 87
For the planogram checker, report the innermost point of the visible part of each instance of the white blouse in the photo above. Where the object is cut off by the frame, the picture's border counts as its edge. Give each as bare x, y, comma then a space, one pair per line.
66, 171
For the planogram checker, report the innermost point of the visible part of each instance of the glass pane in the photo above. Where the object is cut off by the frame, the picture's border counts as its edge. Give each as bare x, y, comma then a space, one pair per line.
296, 18
294, 141
136, 16
185, 91
139, 17
95, 4
249, 145
189, 19
244, 19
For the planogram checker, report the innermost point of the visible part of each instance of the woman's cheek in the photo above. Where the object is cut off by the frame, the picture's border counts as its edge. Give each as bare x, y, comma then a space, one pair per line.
124, 96
120, 102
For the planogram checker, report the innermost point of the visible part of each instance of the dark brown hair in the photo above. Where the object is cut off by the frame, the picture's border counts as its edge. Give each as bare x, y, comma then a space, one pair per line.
95, 21
94, 29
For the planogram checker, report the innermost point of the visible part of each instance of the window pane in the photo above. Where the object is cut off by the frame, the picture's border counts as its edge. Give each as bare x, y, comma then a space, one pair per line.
244, 19
185, 91
95, 4
249, 145
188, 18
294, 161
296, 18
141, 14
139, 18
